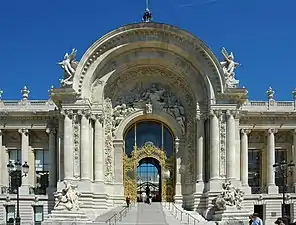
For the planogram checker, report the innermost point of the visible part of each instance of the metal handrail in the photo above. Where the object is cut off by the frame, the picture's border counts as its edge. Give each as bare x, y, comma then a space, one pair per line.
117, 217
183, 215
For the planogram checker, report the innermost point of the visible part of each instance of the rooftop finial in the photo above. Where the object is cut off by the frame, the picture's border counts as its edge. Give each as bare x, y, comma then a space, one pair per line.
147, 17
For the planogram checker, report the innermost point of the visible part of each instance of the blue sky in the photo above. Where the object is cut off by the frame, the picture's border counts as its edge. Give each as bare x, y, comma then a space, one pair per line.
34, 35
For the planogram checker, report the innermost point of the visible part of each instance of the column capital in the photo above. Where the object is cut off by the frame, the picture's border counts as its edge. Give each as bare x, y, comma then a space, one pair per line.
294, 131
245, 131
272, 131
98, 117
50, 130
67, 112
85, 113
1, 132
24, 131
215, 112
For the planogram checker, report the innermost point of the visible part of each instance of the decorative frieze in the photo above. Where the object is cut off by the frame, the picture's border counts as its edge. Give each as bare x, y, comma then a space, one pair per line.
222, 128
76, 144
108, 135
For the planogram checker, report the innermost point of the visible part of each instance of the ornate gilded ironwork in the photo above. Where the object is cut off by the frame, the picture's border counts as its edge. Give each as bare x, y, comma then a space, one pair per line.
131, 162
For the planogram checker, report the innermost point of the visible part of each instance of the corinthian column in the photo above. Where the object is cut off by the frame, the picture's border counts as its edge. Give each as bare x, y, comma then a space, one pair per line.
68, 145
244, 158
214, 145
230, 145
85, 154
2, 163
25, 154
294, 157
53, 159
271, 187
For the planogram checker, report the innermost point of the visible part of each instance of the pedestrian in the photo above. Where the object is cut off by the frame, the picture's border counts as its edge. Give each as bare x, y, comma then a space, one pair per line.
256, 219
128, 201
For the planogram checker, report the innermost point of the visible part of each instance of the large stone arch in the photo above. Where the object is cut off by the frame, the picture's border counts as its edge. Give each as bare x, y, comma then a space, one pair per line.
100, 60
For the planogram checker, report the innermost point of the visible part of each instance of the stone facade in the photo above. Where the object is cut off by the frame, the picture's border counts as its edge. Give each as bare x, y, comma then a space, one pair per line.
120, 80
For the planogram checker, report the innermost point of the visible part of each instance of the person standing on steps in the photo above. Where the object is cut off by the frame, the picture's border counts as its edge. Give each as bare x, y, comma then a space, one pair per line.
128, 201
148, 193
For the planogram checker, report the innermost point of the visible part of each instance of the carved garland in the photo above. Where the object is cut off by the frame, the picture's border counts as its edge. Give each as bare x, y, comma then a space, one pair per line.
152, 35
76, 145
222, 127
109, 173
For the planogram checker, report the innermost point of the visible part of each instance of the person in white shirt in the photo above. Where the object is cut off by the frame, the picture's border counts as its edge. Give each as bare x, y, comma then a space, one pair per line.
256, 219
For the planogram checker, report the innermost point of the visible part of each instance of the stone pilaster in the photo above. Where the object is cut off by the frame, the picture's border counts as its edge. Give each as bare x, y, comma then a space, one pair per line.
245, 160
53, 159
230, 145
294, 158
200, 154
271, 187
68, 145
2, 162
24, 189
99, 148
85, 154
118, 166
214, 145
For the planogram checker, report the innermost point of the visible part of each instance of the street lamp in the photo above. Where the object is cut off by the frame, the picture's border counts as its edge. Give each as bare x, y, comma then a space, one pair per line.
17, 171
283, 170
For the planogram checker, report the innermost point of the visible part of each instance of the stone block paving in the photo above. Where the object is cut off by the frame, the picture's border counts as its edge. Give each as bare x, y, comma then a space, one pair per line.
144, 214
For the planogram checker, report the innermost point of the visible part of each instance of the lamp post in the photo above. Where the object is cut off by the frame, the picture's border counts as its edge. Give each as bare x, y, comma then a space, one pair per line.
283, 170
16, 172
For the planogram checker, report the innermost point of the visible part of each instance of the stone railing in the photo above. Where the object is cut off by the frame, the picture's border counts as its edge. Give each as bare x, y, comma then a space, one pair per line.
26, 105
271, 105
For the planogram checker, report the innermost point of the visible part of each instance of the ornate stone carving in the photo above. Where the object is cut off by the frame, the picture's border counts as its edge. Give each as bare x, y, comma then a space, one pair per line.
230, 196
69, 65
76, 145
270, 93
149, 108
68, 199
108, 122
222, 126
155, 95
24, 131
229, 65
119, 113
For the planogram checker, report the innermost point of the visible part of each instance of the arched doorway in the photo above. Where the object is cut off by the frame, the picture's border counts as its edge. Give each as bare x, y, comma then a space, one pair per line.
149, 155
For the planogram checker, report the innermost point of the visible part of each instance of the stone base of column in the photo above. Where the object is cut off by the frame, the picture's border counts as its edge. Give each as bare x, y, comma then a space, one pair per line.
247, 189
99, 187
24, 189
272, 189
199, 187
66, 218
214, 185
188, 202
85, 186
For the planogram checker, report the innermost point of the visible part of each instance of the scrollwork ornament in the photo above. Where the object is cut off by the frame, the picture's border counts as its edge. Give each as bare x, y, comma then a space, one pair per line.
222, 127
76, 145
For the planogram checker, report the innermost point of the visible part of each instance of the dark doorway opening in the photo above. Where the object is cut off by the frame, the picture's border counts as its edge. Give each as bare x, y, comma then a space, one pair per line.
260, 210
148, 176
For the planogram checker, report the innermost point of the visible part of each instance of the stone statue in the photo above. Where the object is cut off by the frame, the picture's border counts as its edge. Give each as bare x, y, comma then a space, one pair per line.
229, 65
68, 199
155, 95
230, 196
69, 65
148, 108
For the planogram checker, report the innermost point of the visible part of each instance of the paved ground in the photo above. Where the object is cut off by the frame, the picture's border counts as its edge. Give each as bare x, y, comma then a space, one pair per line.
144, 214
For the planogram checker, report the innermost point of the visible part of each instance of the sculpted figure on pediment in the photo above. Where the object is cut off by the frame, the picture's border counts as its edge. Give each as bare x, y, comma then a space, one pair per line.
156, 95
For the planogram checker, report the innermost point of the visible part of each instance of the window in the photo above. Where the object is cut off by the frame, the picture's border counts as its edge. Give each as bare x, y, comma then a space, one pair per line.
280, 155
38, 215
41, 171
15, 155
254, 170
10, 214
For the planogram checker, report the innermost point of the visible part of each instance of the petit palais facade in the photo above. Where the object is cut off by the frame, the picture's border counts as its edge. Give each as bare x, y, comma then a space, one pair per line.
148, 103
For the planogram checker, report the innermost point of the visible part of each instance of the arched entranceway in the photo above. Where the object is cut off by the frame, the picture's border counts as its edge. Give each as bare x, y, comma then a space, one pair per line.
148, 177
149, 155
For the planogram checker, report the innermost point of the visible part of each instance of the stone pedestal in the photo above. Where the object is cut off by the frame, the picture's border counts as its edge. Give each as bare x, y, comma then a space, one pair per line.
231, 215
66, 218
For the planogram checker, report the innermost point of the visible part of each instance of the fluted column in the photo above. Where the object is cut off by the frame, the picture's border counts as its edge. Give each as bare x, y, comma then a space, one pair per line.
52, 154
230, 145
200, 149
244, 156
25, 154
99, 149
179, 171
214, 145
85, 154
68, 145
271, 187
2, 163
294, 157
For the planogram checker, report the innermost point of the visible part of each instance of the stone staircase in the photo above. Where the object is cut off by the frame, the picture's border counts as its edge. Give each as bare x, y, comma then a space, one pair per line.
154, 214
